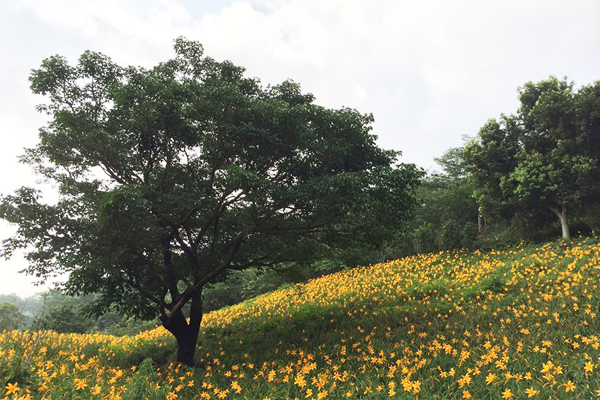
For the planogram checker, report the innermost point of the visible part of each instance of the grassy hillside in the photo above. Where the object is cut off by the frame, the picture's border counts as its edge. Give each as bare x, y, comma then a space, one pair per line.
520, 323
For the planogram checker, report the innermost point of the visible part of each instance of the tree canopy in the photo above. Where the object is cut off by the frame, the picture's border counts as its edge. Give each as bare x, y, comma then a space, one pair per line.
546, 157
171, 175
446, 218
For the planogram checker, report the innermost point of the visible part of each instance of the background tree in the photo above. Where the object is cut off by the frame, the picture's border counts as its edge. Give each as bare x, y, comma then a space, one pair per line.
545, 158
170, 176
63, 319
57, 311
489, 160
10, 317
28, 306
447, 214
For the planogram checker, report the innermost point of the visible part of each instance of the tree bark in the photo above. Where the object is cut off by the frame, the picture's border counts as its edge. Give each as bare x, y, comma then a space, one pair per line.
186, 347
564, 222
186, 332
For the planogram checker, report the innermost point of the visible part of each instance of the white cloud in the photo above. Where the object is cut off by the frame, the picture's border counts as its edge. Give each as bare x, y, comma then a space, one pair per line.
431, 70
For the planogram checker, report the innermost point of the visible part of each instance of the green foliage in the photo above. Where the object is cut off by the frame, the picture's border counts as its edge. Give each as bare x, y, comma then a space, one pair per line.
591, 216
308, 318
495, 282
63, 313
159, 352
452, 164
125, 326
543, 160
143, 384
10, 317
238, 285
468, 235
28, 306
447, 214
450, 236
425, 239
436, 288
62, 319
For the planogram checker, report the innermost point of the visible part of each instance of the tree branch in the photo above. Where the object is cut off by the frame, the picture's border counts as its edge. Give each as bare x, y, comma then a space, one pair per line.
235, 247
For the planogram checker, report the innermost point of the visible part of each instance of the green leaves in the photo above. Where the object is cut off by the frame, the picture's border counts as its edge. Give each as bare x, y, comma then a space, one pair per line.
545, 157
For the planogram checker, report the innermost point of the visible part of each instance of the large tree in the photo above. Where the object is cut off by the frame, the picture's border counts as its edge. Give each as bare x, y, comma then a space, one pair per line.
169, 176
546, 157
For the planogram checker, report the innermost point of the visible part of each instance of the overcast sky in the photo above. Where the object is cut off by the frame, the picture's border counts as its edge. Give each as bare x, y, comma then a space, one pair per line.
430, 71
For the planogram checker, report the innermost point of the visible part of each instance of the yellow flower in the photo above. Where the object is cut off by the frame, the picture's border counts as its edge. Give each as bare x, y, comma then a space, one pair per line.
569, 386
507, 394
172, 396
416, 387
300, 381
12, 388
531, 392
223, 394
547, 367
80, 384
466, 394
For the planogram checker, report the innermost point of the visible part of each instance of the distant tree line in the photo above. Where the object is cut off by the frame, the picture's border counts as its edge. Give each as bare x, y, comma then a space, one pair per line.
54, 310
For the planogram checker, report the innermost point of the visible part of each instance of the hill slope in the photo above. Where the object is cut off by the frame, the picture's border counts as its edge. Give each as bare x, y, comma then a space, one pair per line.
507, 324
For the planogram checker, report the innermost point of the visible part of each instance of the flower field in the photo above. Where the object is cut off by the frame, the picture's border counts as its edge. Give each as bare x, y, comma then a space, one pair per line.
514, 324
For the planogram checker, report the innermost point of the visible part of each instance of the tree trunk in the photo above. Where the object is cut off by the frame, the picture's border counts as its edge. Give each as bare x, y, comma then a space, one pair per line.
186, 348
186, 333
564, 222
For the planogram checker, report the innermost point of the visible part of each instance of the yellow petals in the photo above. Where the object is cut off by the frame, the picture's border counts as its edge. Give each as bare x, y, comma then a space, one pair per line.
12, 388
569, 386
531, 392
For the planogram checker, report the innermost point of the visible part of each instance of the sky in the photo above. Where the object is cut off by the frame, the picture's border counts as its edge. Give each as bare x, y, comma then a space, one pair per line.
431, 71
